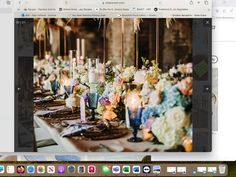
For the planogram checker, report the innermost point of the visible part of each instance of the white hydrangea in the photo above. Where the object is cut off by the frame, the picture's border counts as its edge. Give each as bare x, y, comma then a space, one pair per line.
108, 89
165, 133
117, 69
169, 128
146, 90
81, 69
162, 84
48, 68
84, 78
128, 73
154, 98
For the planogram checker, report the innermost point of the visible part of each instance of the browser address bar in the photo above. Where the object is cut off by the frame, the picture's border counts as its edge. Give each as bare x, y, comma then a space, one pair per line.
112, 2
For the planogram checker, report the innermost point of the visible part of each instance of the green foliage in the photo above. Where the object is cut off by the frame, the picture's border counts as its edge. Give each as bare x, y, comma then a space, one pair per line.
120, 110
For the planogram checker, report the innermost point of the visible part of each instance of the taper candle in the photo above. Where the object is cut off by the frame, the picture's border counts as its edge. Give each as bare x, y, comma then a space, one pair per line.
82, 110
73, 68
83, 48
127, 117
78, 44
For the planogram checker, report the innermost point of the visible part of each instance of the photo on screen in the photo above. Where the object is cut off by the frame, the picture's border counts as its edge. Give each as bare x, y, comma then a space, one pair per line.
114, 85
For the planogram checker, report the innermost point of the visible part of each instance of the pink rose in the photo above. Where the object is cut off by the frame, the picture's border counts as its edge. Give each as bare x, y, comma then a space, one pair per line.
186, 86
189, 68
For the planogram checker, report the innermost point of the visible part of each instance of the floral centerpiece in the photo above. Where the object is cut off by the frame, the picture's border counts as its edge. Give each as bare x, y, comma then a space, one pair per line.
166, 96
168, 112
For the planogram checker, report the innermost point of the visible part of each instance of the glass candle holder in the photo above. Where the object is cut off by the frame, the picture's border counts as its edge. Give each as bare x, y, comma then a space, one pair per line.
72, 63
93, 68
135, 122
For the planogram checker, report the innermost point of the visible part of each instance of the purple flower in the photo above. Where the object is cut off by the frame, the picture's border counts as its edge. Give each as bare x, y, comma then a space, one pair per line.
104, 100
85, 96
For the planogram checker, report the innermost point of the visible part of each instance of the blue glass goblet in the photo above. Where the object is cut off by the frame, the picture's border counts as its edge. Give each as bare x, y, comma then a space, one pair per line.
93, 103
135, 122
54, 86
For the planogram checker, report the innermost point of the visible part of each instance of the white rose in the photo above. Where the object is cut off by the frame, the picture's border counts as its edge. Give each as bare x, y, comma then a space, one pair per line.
181, 68
177, 118
140, 77
172, 71
73, 101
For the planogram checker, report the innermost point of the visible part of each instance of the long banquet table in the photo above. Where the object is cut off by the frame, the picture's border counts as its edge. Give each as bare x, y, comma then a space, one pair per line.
73, 144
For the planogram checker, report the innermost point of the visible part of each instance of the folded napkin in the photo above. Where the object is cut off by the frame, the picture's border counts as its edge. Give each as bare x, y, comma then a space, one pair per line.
38, 92
75, 129
43, 100
43, 112
48, 112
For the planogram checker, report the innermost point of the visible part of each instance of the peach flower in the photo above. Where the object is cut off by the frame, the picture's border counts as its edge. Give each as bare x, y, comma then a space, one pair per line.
114, 98
188, 144
109, 115
152, 79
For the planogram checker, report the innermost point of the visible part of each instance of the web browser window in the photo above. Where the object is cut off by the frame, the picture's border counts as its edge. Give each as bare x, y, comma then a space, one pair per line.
85, 76
109, 76
224, 25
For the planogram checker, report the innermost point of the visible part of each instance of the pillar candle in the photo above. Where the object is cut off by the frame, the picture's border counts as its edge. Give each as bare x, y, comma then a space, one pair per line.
92, 75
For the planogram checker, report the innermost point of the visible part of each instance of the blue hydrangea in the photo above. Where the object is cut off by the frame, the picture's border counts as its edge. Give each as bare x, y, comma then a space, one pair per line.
148, 112
171, 97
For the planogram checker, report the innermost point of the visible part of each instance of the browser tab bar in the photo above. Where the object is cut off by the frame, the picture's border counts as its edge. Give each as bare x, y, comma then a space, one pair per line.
162, 9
